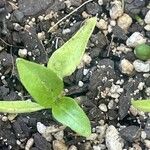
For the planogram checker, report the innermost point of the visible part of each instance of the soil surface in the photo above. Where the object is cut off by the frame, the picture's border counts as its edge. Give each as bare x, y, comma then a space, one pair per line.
104, 84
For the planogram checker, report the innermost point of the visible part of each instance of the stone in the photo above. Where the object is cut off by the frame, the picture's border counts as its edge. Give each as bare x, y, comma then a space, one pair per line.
113, 139
126, 67
18, 15
147, 18
102, 24
135, 39
41, 35
131, 133
116, 9
103, 107
29, 144
124, 105
147, 143
58, 145
22, 52
93, 8
72, 147
147, 27
119, 33
134, 6
141, 66
124, 21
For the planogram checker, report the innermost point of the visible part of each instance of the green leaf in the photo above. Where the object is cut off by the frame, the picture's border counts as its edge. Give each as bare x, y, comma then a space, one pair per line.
65, 60
142, 105
69, 113
42, 83
19, 107
142, 51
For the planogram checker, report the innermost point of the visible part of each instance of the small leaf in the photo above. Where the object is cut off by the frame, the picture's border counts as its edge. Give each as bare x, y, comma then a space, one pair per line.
142, 105
19, 107
142, 51
42, 83
65, 60
68, 112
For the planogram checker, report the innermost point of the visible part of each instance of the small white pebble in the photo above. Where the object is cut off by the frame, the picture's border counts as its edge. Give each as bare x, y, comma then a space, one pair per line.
135, 39
4, 118
2, 77
80, 84
29, 144
147, 27
147, 18
41, 36
22, 52
41, 128
141, 86
66, 31
110, 104
100, 2
141, 66
113, 23
41, 18
102, 24
109, 29
33, 19
113, 140
18, 142
17, 26
133, 111
8, 16
143, 135
85, 14
96, 147
86, 59
72, 147
85, 71
116, 9
103, 107
147, 91
30, 53
92, 137
147, 143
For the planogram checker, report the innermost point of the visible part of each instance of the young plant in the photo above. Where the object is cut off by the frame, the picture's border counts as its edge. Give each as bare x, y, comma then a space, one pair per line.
142, 51
45, 84
142, 105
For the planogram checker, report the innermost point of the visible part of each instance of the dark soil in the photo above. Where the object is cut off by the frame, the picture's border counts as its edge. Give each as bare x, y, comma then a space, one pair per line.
106, 92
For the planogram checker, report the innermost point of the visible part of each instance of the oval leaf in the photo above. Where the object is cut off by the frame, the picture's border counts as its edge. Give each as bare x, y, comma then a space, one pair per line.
19, 107
68, 112
42, 83
142, 51
65, 60
142, 105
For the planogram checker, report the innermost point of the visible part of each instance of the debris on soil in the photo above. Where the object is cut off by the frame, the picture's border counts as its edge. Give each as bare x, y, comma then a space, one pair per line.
104, 83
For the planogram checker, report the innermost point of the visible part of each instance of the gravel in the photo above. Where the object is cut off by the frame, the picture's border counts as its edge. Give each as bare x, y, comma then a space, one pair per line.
116, 9
135, 39
141, 66
113, 139
147, 18
131, 133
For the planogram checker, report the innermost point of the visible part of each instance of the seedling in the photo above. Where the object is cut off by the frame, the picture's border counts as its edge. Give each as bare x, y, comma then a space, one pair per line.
142, 51
45, 84
142, 105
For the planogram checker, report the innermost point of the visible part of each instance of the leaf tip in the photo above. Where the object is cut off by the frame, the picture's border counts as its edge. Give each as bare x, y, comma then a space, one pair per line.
18, 60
